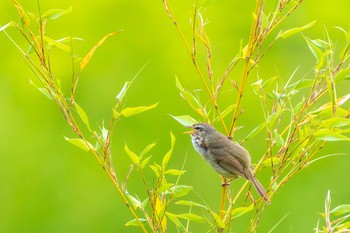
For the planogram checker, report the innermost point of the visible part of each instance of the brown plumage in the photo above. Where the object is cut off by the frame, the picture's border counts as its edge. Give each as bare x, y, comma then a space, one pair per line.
228, 158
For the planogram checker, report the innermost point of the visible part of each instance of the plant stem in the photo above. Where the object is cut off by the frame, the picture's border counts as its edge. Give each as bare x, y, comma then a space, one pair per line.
223, 197
245, 73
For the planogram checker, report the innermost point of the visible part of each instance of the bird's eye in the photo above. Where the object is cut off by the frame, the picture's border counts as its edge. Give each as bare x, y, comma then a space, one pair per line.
198, 128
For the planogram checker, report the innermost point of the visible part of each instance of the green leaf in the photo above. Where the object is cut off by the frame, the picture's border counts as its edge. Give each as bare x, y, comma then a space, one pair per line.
147, 149
166, 158
329, 135
85, 145
346, 34
42, 90
174, 172
228, 110
169, 153
10, 24
340, 101
127, 112
192, 217
237, 212
301, 84
190, 203
155, 169
144, 203
264, 20
164, 188
53, 43
341, 75
82, 115
88, 56
172, 140
174, 219
190, 98
145, 162
336, 122
271, 161
318, 54
279, 139
56, 13
218, 220
122, 92
135, 159
255, 131
179, 190
69, 39
340, 210
293, 31
134, 201
104, 133
185, 120
134, 222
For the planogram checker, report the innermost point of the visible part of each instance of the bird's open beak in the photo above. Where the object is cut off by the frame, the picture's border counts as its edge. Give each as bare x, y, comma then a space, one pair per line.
189, 132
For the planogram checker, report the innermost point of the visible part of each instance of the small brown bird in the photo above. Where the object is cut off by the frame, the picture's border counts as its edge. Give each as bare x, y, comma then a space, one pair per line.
228, 158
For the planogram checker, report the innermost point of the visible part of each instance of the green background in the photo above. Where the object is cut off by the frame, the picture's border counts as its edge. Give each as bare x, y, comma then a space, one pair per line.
48, 185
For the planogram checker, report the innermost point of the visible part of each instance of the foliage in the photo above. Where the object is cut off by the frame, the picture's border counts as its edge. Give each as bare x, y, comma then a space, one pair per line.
336, 220
301, 115
98, 142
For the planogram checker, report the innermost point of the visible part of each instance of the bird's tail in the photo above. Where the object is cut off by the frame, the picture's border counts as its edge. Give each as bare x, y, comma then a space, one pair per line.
259, 188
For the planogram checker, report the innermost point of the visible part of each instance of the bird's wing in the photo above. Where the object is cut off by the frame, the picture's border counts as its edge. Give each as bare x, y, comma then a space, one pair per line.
229, 163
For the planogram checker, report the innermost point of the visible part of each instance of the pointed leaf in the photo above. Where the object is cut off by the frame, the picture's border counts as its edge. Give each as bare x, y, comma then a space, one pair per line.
185, 120
336, 122
127, 112
51, 42
340, 210
82, 115
174, 172
134, 158
134, 201
241, 211
166, 158
88, 56
218, 220
56, 13
192, 217
134, 222
164, 188
174, 219
318, 54
85, 145
279, 139
341, 74
179, 190
271, 161
155, 170
10, 24
123, 90
293, 31
42, 90
190, 203
147, 149
228, 110
189, 97
172, 140
329, 135
145, 162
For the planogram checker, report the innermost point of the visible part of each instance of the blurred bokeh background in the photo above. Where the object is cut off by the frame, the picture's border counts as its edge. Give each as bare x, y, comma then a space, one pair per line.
48, 185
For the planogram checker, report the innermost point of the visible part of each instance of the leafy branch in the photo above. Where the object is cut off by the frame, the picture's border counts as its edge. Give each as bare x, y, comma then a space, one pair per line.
301, 114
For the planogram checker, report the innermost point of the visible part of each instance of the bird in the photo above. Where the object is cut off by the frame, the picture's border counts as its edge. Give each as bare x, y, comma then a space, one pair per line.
228, 158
